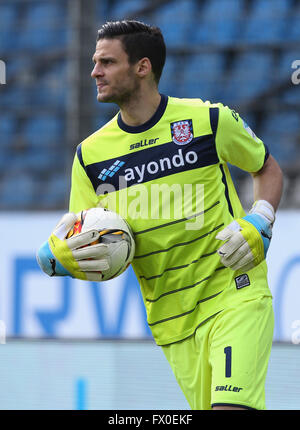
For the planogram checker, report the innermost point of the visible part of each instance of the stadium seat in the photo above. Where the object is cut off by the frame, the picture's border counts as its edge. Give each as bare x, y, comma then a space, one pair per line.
8, 125
292, 32
8, 20
5, 159
218, 22
51, 87
37, 39
18, 191
38, 160
44, 142
265, 8
17, 64
8, 132
174, 19
251, 74
202, 75
8, 16
121, 9
267, 21
46, 13
283, 148
44, 27
39, 130
10, 94
282, 123
55, 192
292, 96
268, 30
217, 9
281, 132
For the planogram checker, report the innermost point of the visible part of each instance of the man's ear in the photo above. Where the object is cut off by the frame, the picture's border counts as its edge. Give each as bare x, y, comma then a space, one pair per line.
143, 67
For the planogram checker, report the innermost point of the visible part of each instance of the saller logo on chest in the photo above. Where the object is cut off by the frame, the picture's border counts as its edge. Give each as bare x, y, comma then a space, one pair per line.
143, 142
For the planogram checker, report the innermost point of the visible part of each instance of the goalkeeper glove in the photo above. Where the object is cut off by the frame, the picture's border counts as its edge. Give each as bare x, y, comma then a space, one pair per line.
247, 239
59, 256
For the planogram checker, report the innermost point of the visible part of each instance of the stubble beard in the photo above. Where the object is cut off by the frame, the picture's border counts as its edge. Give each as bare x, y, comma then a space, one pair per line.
123, 96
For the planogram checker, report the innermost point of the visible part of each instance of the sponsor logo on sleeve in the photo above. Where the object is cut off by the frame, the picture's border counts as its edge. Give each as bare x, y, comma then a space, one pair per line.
249, 130
235, 114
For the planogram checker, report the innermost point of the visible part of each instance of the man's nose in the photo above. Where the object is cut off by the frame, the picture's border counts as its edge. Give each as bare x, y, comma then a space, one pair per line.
97, 70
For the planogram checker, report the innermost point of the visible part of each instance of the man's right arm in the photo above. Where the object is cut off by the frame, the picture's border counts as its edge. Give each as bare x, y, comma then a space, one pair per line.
82, 195
58, 255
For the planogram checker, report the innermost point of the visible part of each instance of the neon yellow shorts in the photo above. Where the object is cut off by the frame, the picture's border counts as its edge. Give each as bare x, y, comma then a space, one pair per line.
225, 362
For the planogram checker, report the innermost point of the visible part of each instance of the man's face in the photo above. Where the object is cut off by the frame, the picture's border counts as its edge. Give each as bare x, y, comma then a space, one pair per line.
115, 78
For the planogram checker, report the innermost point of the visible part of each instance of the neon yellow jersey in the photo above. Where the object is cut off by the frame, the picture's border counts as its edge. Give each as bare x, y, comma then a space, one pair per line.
170, 180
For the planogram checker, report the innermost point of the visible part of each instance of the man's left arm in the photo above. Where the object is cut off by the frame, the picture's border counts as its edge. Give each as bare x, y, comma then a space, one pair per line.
247, 239
268, 183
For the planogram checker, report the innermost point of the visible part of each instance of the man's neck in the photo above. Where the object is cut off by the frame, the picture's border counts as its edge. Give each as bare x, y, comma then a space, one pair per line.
140, 109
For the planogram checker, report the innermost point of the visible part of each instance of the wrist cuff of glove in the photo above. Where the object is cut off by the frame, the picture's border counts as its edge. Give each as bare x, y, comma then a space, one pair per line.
48, 263
263, 227
264, 209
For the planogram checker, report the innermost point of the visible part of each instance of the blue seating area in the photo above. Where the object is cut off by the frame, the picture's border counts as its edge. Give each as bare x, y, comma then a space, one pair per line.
33, 103
267, 22
229, 51
251, 74
219, 22
202, 77
174, 20
281, 133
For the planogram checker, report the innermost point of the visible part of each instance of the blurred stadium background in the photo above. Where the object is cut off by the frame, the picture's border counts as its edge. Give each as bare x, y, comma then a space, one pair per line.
239, 52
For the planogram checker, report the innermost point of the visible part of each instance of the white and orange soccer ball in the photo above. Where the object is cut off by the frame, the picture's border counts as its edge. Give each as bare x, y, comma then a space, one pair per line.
114, 232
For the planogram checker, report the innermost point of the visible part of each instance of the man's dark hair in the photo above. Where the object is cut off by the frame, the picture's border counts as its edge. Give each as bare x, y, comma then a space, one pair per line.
139, 40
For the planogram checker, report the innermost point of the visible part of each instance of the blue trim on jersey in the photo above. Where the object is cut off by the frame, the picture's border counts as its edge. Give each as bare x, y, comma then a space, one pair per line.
214, 121
79, 155
148, 124
224, 180
267, 153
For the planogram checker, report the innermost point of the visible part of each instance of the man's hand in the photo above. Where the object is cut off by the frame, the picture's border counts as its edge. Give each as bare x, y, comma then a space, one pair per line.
59, 256
247, 239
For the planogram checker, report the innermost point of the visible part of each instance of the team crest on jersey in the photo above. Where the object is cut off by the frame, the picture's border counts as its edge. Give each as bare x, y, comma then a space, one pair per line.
182, 132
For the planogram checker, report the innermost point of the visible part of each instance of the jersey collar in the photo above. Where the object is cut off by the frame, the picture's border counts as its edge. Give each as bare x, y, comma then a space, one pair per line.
148, 124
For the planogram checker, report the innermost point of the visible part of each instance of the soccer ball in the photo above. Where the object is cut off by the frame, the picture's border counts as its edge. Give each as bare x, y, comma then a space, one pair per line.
114, 232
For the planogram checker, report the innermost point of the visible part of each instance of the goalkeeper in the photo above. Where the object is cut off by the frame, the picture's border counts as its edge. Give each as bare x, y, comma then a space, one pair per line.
203, 275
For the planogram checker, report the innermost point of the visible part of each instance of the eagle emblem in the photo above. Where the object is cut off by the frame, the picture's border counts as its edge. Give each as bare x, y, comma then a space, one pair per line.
182, 132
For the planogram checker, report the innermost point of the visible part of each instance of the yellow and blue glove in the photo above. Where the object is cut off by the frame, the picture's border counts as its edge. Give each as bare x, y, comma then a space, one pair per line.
59, 256
247, 239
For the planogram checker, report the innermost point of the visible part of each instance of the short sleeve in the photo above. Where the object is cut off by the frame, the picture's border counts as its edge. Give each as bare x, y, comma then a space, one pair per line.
82, 194
237, 144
